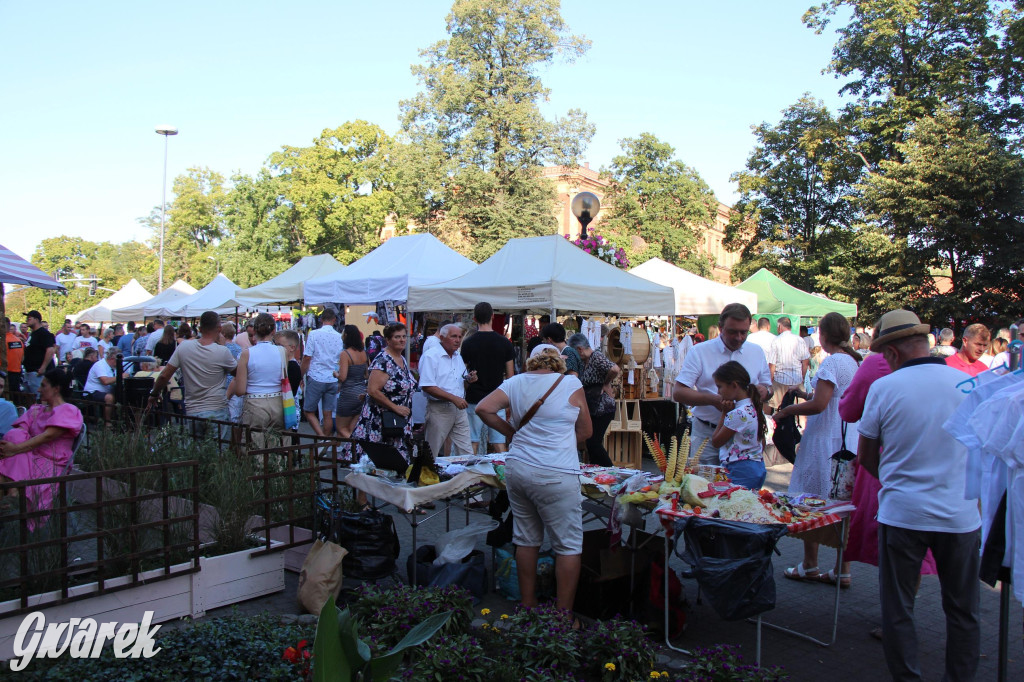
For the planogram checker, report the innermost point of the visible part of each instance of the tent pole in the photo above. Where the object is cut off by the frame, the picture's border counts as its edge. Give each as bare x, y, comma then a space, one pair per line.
3, 314
408, 335
554, 314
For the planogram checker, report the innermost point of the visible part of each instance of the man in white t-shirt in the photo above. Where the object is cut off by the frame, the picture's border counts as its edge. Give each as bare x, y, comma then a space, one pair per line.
319, 363
99, 386
763, 337
154, 336
921, 505
695, 385
443, 378
67, 341
86, 339
788, 359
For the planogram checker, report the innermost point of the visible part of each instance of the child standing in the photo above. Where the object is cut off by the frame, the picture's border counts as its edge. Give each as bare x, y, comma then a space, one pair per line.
742, 427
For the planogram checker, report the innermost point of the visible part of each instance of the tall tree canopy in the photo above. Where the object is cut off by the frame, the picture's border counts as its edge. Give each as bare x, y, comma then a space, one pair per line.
870, 203
340, 190
477, 128
795, 207
660, 207
957, 197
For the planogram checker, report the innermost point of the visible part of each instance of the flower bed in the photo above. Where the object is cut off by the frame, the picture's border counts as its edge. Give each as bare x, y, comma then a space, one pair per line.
524, 645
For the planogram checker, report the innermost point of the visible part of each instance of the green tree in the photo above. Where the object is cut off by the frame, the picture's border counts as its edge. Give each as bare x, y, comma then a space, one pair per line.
194, 225
957, 197
796, 207
477, 129
79, 260
660, 207
903, 59
262, 240
339, 191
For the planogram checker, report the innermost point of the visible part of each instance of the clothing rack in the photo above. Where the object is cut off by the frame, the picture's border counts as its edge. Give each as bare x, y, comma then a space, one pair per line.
996, 534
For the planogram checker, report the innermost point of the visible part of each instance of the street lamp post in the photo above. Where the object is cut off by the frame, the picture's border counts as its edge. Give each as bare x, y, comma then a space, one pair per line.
166, 131
585, 207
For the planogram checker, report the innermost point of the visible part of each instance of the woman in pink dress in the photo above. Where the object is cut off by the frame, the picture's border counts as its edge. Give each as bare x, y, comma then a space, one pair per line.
39, 445
863, 540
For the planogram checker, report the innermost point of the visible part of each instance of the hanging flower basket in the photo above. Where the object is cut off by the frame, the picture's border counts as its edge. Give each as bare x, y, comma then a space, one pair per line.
599, 247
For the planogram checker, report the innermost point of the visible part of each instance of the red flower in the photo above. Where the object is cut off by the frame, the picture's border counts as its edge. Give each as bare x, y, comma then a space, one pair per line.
291, 655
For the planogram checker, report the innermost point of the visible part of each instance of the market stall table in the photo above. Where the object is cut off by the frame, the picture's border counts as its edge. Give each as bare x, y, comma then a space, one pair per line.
830, 528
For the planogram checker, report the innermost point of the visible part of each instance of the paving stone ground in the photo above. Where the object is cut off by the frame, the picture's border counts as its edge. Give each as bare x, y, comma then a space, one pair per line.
855, 656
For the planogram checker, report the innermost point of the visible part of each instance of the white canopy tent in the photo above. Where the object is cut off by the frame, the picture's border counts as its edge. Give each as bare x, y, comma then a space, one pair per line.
389, 271
218, 296
177, 291
287, 287
546, 275
129, 295
694, 295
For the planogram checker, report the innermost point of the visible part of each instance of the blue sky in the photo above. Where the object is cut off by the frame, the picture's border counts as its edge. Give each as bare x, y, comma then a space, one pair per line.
85, 84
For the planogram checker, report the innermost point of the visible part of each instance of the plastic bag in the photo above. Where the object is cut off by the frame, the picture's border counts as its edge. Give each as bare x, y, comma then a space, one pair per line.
506, 574
732, 562
455, 545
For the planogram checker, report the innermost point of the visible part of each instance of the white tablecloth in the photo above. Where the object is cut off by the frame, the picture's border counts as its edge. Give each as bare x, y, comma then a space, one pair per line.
407, 498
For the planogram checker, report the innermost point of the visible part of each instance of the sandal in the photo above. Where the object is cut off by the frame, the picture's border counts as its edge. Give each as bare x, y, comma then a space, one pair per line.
798, 572
830, 578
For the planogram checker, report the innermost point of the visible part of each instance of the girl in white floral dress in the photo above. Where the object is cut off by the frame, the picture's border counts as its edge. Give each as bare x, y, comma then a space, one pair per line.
741, 431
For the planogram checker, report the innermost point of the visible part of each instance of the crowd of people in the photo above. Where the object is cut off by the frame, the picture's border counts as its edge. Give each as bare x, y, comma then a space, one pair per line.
860, 388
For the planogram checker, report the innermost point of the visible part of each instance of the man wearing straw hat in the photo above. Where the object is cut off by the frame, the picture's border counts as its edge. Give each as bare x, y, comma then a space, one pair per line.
921, 505
695, 385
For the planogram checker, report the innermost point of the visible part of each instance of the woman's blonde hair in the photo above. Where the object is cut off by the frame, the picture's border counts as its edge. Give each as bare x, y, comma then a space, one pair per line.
546, 359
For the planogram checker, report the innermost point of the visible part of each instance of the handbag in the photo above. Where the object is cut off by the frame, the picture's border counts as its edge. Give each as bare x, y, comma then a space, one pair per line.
291, 412
843, 472
392, 424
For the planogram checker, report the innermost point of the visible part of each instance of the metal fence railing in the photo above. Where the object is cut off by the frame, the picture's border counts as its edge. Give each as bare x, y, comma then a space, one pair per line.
288, 478
105, 530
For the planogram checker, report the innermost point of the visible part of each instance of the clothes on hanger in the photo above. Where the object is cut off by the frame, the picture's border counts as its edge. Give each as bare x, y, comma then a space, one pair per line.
990, 424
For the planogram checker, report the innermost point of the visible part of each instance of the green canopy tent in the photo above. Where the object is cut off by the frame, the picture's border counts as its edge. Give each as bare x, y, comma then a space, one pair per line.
775, 296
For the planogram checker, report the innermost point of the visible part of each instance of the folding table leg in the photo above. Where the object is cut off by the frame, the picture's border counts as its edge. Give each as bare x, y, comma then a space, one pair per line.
835, 603
665, 606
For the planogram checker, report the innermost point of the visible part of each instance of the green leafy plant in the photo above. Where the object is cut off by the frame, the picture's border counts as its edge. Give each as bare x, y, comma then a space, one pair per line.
623, 643
385, 615
339, 655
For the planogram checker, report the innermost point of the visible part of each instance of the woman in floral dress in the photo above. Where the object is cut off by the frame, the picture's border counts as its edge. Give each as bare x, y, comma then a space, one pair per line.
390, 387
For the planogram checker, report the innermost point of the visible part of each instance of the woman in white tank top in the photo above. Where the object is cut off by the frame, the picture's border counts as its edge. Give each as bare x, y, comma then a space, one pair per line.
258, 378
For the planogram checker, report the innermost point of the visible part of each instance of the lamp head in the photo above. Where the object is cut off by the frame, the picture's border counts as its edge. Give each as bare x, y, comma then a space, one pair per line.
166, 130
585, 206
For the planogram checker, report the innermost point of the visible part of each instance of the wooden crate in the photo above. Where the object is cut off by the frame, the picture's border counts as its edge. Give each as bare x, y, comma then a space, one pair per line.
631, 415
625, 448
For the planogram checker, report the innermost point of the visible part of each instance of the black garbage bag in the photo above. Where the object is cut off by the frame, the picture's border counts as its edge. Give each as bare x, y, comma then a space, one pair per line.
732, 563
369, 536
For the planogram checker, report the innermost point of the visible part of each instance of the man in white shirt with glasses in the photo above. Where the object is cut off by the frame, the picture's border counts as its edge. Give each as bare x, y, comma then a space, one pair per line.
696, 387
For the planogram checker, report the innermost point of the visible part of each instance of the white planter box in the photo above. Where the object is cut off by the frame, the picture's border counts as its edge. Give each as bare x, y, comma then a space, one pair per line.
231, 578
222, 580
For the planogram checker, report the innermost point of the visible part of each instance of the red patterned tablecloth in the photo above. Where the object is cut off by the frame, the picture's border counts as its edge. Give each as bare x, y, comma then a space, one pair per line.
835, 515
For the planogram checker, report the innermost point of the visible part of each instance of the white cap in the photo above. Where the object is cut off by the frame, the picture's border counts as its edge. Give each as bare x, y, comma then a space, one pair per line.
543, 347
